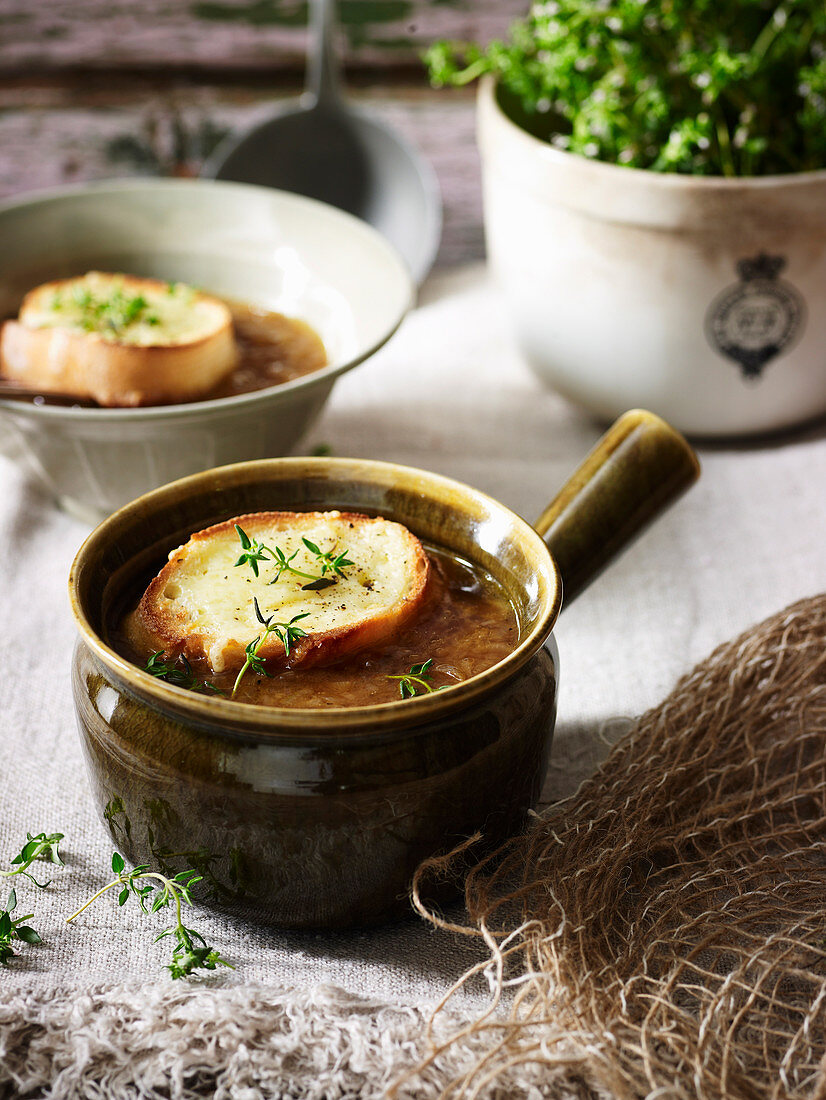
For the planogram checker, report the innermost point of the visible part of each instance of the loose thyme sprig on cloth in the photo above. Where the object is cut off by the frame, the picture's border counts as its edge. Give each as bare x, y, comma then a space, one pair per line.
155, 891
40, 846
287, 633
14, 930
330, 561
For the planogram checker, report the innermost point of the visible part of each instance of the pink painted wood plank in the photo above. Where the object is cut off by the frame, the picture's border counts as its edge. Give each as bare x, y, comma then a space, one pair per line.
229, 34
49, 137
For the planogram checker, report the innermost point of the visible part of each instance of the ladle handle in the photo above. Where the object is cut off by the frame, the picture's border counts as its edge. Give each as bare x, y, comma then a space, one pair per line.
639, 467
322, 60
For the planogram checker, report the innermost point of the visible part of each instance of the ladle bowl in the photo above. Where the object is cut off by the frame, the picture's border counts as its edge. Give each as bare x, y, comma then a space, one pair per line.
327, 150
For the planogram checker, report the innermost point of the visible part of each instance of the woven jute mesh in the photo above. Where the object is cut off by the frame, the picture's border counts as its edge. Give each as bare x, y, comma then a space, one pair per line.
664, 929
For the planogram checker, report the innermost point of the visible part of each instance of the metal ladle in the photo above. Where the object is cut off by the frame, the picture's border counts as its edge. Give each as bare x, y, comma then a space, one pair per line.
330, 151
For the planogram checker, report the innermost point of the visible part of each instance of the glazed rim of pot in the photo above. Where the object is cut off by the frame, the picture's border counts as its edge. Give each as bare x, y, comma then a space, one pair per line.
250, 718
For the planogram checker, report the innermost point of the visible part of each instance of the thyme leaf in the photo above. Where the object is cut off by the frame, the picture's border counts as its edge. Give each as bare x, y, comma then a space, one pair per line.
179, 673
287, 633
416, 681
254, 551
317, 586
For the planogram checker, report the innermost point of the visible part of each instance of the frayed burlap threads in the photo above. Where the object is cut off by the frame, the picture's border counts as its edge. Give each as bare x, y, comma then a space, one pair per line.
199, 1041
669, 919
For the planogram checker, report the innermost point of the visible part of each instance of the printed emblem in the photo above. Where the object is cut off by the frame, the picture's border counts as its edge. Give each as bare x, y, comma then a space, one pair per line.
754, 320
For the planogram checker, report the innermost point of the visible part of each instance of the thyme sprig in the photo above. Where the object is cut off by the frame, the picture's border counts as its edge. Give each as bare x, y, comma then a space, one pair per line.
13, 929
287, 633
416, 681
114, 312
283, 564
40, 846
178, 672
732, 88
254, 551
154, 891
330, 561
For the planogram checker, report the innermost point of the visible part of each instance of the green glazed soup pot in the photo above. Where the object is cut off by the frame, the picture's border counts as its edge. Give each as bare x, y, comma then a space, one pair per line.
318, 818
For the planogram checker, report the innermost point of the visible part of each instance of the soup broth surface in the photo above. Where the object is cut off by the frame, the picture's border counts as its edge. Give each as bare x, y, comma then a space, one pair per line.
273, 349
466, 626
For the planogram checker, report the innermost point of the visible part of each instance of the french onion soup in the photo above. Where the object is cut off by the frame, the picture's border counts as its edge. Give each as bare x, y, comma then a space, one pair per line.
316, 609
121, 340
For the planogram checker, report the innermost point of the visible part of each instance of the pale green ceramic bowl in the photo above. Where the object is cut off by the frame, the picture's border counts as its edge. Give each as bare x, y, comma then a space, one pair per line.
292, 254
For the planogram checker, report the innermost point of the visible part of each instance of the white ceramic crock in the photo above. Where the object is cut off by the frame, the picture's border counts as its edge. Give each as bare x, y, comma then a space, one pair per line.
703, 299
254, 244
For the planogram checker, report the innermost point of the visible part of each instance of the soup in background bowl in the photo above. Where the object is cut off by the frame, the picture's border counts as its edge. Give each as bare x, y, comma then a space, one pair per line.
115, 340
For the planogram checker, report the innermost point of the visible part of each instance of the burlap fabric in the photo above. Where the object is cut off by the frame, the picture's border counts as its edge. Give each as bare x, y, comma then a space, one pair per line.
669, 920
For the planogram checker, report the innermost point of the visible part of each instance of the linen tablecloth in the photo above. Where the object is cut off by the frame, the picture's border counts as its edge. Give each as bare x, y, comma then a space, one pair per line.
449, 393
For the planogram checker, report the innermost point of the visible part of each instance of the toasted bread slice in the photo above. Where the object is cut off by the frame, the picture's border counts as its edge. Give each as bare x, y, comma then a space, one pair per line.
201, 603
120, 340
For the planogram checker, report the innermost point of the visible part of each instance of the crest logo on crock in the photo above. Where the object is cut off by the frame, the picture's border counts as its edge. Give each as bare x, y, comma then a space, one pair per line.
754, 320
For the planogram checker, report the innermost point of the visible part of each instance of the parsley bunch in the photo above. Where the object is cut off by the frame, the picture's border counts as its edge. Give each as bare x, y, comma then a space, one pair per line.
705, 87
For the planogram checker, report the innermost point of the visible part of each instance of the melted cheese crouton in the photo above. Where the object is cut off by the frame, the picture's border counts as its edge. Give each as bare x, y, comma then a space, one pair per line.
120, 340
202, 603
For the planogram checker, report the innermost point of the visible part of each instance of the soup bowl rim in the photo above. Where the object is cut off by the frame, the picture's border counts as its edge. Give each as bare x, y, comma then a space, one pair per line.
273, 723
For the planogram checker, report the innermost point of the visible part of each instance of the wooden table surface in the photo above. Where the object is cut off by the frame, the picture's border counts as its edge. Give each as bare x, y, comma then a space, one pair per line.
92, 89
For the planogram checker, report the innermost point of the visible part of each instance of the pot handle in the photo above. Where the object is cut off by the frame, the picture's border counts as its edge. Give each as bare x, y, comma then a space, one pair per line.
639, 467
